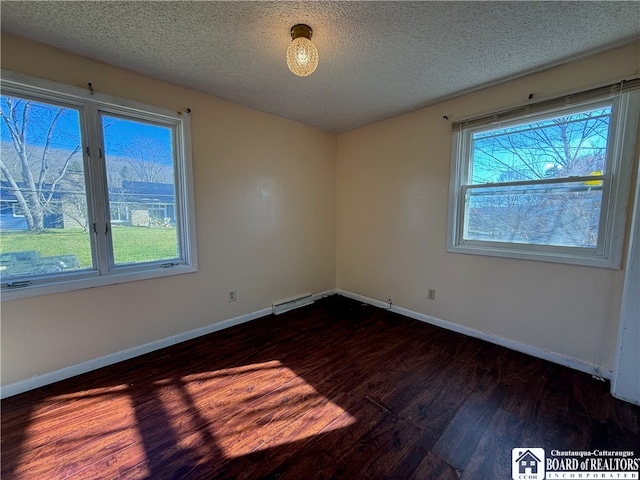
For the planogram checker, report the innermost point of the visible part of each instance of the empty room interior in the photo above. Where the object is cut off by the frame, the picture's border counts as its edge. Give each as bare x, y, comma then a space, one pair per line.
416, 258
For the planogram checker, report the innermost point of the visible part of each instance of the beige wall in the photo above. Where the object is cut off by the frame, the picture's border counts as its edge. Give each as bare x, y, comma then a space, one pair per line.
265, 226
393, 187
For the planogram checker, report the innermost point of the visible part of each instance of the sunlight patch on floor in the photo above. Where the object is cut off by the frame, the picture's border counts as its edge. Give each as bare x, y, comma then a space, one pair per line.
204, 417
257, 407
60, 432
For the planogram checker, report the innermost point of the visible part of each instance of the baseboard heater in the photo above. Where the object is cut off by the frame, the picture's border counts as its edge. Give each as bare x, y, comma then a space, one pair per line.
286, 305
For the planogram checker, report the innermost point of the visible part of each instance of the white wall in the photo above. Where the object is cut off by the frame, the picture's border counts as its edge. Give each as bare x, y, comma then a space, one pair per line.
393, 186
265, 226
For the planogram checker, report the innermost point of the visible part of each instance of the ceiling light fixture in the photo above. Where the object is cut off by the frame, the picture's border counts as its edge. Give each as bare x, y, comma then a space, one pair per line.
302, 54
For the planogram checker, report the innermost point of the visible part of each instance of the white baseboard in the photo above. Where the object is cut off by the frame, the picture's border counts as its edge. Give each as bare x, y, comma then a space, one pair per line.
326, 293
110, 359
554, 357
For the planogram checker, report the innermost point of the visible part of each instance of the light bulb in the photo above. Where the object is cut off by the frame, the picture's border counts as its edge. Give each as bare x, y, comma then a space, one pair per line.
302, 54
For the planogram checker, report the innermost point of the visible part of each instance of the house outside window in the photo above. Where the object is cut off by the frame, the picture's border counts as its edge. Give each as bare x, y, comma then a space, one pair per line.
93, 189
136, 203
548, 182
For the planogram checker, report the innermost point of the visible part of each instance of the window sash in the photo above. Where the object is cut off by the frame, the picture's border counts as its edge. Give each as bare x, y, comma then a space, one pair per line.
554, 188
25, 92
104, 272
108, 261
540, 117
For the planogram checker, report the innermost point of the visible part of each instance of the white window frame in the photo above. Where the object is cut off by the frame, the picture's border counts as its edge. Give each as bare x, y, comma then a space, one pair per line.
616, 181
16, 207
104, 271
116, 211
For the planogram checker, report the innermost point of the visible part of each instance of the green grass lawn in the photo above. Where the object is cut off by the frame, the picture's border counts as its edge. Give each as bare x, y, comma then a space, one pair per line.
130, 244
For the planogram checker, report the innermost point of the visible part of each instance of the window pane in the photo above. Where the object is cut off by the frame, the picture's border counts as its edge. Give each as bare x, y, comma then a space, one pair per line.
560, 147
140, 180
565, 214
43, 203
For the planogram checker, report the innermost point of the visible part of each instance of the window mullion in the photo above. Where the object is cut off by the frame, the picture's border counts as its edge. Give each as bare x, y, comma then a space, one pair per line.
97, 190
85, 125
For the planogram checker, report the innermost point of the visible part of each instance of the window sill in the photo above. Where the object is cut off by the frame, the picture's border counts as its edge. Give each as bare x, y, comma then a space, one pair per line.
78, 283
565, 257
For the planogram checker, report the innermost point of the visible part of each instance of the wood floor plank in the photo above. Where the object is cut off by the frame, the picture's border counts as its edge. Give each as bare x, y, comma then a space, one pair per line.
433, 467
492, 455
459, 440
335, 390
552, 427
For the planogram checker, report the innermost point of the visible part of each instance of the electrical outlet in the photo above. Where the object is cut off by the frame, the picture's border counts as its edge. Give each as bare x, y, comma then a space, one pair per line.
231, 296
431, 294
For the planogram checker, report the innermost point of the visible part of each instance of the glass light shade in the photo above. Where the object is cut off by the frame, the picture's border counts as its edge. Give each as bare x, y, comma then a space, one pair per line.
302, 56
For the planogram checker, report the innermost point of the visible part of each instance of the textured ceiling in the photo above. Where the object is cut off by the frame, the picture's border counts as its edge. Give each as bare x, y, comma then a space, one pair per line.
377, 59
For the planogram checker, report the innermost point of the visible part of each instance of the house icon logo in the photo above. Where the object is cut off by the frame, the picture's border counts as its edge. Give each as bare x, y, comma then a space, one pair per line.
527, 464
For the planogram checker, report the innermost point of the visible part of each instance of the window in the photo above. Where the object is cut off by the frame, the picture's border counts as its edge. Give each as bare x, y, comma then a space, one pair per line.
99, 189
18, 211
548, 186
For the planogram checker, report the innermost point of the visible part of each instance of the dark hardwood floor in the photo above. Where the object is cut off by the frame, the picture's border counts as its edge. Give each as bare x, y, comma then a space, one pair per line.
334, 390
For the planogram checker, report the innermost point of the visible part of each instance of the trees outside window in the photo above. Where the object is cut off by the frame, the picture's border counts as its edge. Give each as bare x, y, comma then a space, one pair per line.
39, 142
551, 186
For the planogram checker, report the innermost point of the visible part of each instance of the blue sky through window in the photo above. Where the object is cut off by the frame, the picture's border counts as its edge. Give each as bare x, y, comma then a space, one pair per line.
119, 132
558, 147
